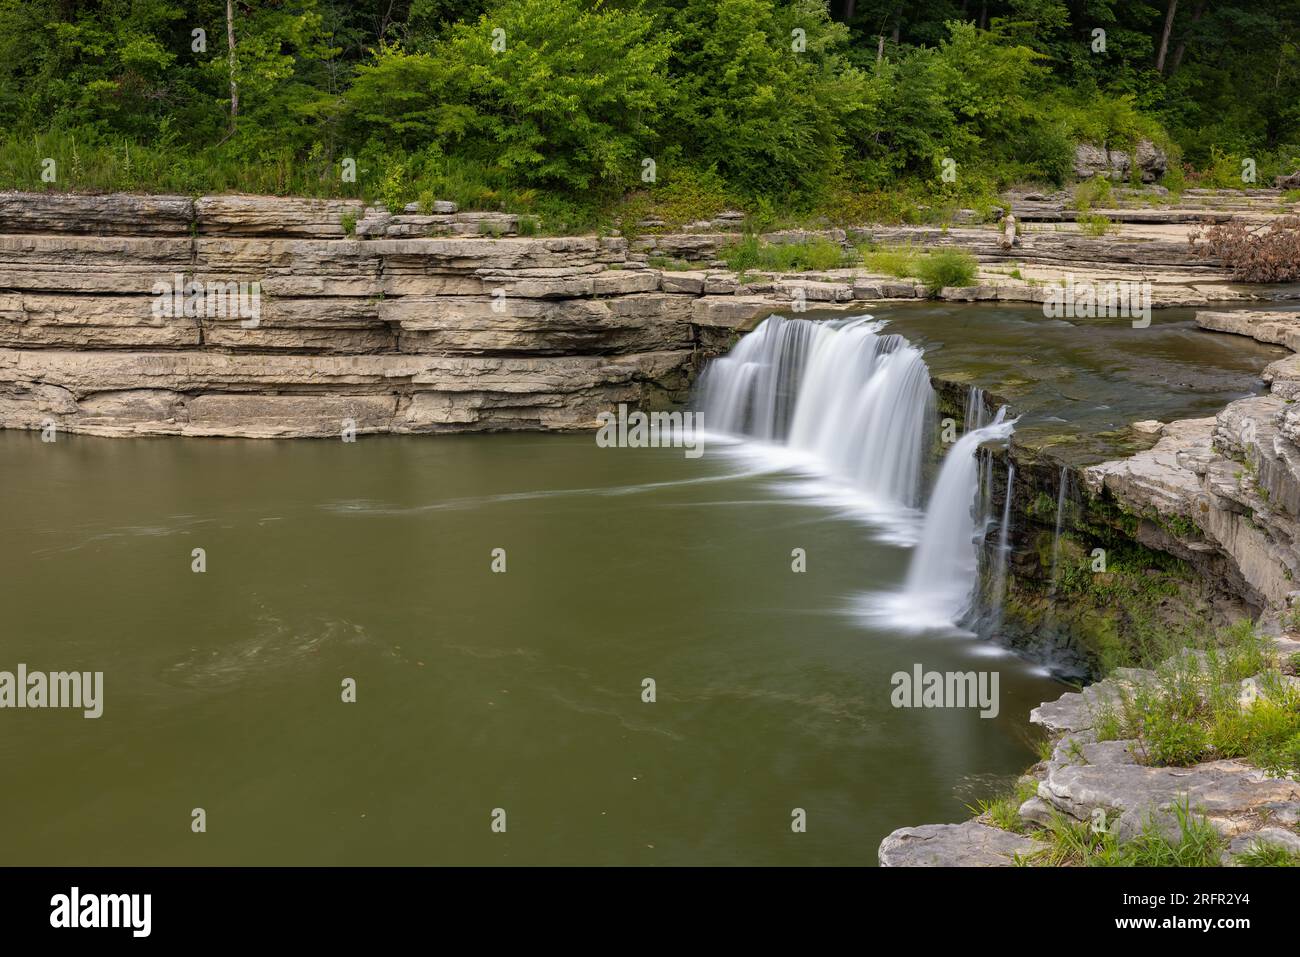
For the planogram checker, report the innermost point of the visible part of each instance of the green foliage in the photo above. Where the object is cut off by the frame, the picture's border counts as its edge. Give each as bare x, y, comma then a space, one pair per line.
947, 267
1003, 811
898, 261
1264, 854
768, 118
687, 193
734, 107
1095, 224
813, 254
936, 269
1091, 193
1194, 709
1074, 843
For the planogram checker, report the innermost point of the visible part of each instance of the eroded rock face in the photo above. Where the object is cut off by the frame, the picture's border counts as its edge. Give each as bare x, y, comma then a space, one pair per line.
340, 279
1226, 486
1091, 160
420, 328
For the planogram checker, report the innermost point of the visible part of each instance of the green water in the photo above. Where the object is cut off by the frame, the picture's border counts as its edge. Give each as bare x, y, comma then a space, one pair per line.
1078, 383
521, 691
476, 690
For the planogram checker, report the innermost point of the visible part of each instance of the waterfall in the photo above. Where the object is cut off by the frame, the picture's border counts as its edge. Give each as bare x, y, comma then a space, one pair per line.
1060, 517
974, 409
944, 572
999, 586
856, 402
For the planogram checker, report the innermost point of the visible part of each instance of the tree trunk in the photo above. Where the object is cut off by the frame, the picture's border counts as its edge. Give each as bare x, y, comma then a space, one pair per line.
984, 15
880, 48
1164, 35
1182, 42
850, 9
230, 42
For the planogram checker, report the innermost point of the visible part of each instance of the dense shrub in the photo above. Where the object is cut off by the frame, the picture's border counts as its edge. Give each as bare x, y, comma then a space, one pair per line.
1254, 253
773, 106
947, 267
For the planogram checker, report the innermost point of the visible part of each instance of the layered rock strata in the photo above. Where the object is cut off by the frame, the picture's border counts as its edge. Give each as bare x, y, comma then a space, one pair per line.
431, 320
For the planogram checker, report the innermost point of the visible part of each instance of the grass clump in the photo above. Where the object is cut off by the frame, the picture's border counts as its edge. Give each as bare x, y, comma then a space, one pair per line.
1195, 709
947, 267
943, 267
1264, 854
1003, 811
1095, 224
897, 261
1092, 192
1074, 843
811, 254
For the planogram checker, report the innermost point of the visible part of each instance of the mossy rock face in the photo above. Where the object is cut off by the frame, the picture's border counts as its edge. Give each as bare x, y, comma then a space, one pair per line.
1096, 598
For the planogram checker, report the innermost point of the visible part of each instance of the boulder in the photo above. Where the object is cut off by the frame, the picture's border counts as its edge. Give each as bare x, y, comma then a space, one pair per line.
970, 844
1091, 160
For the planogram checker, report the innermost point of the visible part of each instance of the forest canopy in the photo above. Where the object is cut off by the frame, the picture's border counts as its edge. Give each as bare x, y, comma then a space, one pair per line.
569, 107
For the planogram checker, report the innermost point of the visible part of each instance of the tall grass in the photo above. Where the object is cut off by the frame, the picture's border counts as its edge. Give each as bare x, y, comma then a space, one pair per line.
750, 253
936, 269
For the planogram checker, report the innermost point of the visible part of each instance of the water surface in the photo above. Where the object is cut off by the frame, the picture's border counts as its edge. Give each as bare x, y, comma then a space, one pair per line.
475, 690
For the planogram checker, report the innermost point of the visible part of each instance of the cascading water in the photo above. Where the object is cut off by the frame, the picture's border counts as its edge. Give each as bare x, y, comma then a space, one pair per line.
999, 587
858, 403
1060, 520
942, 577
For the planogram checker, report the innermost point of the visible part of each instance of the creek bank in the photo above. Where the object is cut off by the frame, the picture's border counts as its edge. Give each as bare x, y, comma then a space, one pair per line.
1089, 779
437, 321
1204, 524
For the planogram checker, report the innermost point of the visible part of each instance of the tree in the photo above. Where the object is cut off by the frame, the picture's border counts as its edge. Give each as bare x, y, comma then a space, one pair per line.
234, 83
1164, 35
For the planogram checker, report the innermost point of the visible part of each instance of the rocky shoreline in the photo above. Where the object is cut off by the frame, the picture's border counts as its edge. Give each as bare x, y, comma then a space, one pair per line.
1087, 780
1222, 493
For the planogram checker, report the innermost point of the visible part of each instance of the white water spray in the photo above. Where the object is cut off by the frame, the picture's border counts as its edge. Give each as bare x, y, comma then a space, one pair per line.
942, 579
858, 403
998, 595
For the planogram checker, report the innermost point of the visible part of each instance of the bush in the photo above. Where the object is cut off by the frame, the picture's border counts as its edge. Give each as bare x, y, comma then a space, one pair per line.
813, 254
1253, 253
947, 267
571, 100
769, 119
899, 261
1094, 224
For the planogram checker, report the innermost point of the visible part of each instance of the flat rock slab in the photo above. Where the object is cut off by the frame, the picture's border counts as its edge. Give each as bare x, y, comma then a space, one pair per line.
1077, 710
970, 844
1229, 794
